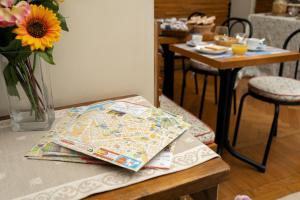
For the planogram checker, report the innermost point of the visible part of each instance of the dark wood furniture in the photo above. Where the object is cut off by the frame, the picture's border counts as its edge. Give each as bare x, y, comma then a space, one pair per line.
264, 6
200, 181
174, 8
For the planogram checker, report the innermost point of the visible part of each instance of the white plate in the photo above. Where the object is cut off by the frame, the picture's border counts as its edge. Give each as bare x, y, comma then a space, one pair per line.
202, 49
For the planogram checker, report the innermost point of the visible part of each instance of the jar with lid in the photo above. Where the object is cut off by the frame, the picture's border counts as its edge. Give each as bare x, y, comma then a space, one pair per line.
279, 7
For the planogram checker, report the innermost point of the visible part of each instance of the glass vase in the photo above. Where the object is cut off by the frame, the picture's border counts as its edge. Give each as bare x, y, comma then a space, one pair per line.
29, 92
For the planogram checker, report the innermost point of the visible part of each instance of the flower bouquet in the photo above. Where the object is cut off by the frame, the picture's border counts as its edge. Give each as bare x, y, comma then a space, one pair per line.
28, 30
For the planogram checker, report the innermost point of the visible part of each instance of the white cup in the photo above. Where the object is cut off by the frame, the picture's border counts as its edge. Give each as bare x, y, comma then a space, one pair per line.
197, 38
255, 44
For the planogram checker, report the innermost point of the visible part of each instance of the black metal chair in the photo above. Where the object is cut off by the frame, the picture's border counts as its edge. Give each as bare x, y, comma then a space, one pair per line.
277, 90
194, 14
200, 68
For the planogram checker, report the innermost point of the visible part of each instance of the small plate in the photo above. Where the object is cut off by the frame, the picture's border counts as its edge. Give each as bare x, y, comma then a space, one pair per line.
193, 44
204, 49
258, 49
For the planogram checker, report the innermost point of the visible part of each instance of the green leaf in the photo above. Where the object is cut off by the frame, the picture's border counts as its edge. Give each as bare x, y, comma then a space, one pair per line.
63, 22
11, 79
52, 5
12, 46
15, 52
47, 56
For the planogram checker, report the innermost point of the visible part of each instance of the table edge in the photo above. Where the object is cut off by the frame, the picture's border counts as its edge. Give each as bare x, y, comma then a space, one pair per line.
220, 174
238, 62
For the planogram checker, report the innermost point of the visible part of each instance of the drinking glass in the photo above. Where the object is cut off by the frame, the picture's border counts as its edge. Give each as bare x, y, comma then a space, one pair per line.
222, 30
239, 49
221, 33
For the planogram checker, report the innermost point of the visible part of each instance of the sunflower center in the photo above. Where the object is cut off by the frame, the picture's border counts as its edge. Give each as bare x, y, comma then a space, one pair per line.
36, 28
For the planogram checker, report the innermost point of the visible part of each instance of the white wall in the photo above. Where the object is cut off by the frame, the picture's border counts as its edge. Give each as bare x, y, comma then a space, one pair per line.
242, 8
108, 52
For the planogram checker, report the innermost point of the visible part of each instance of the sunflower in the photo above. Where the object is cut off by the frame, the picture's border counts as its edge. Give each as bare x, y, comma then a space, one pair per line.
39, 30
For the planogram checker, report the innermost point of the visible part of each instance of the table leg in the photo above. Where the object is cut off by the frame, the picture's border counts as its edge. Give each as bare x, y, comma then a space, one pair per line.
227, 79
209, 194
168, 86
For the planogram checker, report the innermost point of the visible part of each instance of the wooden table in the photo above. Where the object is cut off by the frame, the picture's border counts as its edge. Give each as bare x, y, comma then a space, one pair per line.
201, 182
228, 68
165, 43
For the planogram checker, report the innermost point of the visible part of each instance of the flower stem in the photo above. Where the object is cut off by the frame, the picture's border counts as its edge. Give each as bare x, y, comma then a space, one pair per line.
31, 88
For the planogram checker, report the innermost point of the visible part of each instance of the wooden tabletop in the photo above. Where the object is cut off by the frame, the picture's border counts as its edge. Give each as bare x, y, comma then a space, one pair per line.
170, 40
236, 61
190, 181
201, 177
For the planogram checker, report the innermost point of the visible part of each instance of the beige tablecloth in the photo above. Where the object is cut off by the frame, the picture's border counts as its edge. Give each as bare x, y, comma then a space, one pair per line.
34, 179
275, 29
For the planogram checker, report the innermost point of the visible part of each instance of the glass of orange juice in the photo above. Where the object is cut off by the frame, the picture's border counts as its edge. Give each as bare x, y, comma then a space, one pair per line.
239, 49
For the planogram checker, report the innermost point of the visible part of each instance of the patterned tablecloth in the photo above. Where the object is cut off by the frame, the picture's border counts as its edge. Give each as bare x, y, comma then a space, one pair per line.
199, 129
275, 30
34, 179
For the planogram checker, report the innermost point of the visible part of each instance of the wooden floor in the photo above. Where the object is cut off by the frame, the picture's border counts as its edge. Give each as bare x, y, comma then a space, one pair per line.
283, 171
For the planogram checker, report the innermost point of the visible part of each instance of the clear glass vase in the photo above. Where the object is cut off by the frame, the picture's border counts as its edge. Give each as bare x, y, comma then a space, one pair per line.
29, 93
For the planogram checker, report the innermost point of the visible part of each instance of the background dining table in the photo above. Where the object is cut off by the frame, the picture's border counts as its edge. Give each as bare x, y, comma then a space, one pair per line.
228, 66
275, 30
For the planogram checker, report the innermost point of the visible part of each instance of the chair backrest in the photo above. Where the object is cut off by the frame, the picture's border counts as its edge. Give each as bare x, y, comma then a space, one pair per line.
285, 46
195, 14
234, 21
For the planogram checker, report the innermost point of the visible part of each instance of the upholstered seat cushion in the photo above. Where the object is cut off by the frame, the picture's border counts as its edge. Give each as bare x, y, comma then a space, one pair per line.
201, 66
199, 129
277, 88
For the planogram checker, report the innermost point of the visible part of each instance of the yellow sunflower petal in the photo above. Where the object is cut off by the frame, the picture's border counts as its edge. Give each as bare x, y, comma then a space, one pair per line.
39, 30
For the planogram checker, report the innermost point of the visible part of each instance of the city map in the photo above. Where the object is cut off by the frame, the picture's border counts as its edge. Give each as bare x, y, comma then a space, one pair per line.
121, 133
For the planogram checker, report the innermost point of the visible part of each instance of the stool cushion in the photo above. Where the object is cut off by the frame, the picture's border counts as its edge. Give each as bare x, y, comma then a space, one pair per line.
276, 88
201, 66
199, 129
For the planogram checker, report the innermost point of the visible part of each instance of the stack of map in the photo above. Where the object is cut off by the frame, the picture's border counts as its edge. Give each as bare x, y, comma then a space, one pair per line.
129, 135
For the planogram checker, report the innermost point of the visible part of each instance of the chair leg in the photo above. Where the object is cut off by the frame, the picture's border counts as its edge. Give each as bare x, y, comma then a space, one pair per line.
296, 70
297, 66
184, 72
234, 102
196, 83
216, 89
260, 166
272, 131
203, 97
276, 125
238, 120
